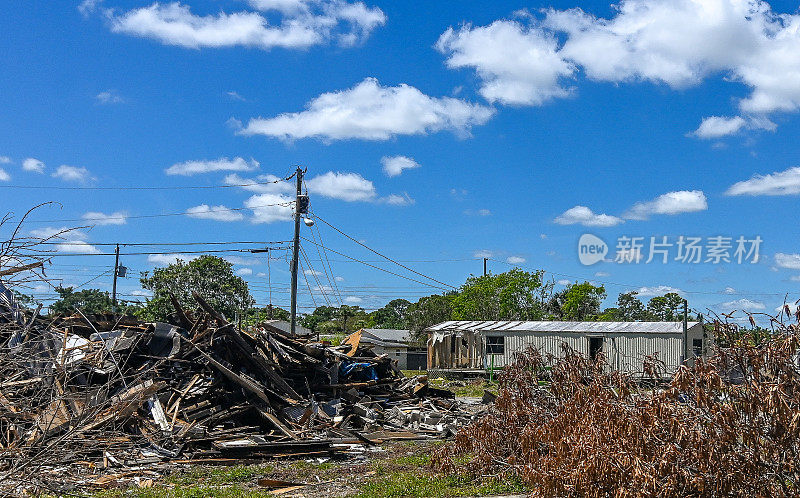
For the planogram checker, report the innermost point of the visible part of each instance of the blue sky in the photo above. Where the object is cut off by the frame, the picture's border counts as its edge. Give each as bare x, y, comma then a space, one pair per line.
437, 134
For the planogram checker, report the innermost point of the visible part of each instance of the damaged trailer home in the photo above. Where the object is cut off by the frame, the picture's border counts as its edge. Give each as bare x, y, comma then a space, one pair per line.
472, 347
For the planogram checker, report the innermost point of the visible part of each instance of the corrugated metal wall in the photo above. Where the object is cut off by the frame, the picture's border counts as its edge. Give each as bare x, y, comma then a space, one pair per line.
623, 352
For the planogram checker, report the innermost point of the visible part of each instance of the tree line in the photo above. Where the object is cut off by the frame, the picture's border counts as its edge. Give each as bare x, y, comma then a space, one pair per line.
513, 295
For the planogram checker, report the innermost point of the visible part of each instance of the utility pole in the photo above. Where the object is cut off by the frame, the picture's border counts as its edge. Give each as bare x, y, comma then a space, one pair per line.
484, 266
114, 287
685, 329
300, 205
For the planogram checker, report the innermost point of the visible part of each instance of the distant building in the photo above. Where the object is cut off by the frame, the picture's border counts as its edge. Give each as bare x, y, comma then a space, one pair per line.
398, 345
477, 345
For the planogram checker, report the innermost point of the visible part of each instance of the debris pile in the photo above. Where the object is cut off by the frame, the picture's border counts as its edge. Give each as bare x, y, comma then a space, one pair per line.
103, 392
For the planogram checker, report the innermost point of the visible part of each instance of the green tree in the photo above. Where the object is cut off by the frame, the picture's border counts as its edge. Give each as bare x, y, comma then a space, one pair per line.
87, 300
666, 308
514, 295
428, 311
211, 276
629, 309
391, 316
258, 315
578, 302
319, 316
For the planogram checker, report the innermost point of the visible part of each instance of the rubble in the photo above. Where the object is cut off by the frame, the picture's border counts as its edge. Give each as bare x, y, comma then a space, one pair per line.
117, 397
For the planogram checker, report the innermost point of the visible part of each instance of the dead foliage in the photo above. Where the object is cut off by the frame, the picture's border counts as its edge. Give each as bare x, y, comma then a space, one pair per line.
725, 425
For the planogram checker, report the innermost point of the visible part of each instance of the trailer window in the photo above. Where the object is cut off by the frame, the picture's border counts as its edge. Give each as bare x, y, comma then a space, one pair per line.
697, 347
495, 345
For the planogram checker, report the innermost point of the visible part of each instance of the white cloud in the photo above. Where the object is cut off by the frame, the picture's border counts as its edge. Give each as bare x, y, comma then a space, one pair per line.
98, 218
729, 290
269, 208
169, 259
788, 261
658, 290
369, 111
678, 43
483, 253
564, 282
235, 96
262, 184
602, 274
72, 174
88, 7
719, 126
307, 23
338, 278
239, 260
586, 217
348, 187
671, 203
398, 199
795, 278
792, 308
141, 293
484, 212
4, 176
66, 240
33, 165
353, 300
543, 236
479, 212
517, 64
109, 97
190, 168
5, 160
216, 213
243, 272
515, 260
779, 183
394, 165
312, 273
743, 304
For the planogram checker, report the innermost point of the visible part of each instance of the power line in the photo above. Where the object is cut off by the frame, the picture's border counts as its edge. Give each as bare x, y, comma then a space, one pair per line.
181, 213
382, 255
175, 187
379, 268
216, 251
147, 244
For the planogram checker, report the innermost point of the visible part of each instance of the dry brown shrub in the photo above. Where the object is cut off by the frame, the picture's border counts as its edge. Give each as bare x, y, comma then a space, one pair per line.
727, 425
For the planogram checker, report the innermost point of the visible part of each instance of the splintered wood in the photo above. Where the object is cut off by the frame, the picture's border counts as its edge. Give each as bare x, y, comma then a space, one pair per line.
112, 394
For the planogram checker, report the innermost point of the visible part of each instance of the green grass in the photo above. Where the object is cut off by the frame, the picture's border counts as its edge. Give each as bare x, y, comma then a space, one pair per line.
473, 388
427, 484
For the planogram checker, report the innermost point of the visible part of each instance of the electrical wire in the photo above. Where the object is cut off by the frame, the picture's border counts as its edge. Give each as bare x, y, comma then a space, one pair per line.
382, 255
382, 269
331, 277
175, 187
314, 274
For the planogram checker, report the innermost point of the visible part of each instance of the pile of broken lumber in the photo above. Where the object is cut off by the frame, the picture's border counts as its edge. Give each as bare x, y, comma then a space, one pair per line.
104, 392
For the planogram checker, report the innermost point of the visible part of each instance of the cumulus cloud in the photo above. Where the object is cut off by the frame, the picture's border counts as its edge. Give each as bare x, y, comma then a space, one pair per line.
584, 216
483, 253
109, 97
671, 203
743, 304
398, 199
518, 64
338, 278
395, 165
243, 272
33, 165
677, 43
788, 261
98, 218
72, 174
190, 168
564, 282
302, 24
343, 186
312, 273
658, 290
602, 274
216, 213
779, 183
269, 208
169, 259
5, 160
353, 300
515, 260
4, 176
370, 111
66, 240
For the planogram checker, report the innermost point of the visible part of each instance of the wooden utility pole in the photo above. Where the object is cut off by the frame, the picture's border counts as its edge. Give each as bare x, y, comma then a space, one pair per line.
296, 248
116, 272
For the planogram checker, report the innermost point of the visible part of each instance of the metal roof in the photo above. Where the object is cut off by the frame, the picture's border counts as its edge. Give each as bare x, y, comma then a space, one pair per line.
394, 335
575, 327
